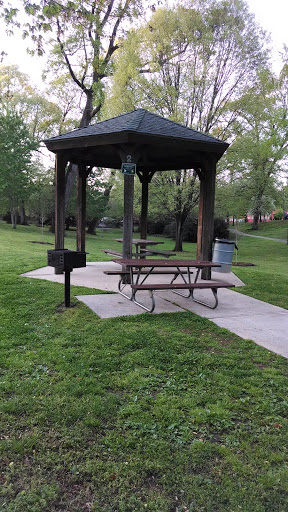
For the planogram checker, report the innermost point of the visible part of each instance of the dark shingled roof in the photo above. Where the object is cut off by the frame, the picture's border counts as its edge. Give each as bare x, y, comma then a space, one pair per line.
160, 144
140, 121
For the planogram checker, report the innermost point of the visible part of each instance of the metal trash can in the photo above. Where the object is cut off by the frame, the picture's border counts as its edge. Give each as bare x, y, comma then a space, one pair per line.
223, 254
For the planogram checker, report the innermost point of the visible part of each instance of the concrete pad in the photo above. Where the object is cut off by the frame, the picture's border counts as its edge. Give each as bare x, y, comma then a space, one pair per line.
249, 318
111, 306
92, 276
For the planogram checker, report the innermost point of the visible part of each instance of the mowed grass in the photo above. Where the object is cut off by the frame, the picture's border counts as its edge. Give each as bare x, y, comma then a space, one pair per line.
273, 229
155, 412
267, 280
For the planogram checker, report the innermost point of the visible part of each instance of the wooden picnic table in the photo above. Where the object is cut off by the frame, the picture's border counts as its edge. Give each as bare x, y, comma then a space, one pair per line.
141, 244
141, 269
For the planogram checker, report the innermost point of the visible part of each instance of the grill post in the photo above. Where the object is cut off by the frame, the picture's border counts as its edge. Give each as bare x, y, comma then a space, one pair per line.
67, 288
65, 260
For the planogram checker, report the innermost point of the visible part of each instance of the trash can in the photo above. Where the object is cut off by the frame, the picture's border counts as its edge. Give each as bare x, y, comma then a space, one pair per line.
223, 254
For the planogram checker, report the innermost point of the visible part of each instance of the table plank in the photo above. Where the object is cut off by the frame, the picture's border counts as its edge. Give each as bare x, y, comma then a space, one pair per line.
129, 262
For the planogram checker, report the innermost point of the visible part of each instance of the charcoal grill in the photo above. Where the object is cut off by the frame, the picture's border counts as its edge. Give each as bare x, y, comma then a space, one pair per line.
65, 260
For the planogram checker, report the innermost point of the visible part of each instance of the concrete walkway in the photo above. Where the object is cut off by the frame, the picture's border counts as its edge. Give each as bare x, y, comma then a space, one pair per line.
249, 318
241, 233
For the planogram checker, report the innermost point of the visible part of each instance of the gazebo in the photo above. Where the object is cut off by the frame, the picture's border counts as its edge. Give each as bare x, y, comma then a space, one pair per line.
148, 143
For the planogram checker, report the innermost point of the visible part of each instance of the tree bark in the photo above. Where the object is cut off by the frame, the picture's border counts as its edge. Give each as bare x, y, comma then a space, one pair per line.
255, 224
22, 213
92, 224
179, 235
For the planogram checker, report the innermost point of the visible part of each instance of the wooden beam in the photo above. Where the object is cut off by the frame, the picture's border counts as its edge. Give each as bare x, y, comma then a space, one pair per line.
206, 213
81, 207
128, 215
145, 178
60, 164
144, 210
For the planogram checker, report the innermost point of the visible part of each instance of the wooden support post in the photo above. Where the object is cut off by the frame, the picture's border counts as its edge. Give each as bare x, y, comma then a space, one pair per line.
128, 215
81, 207
144, 210
206, 214
60, 164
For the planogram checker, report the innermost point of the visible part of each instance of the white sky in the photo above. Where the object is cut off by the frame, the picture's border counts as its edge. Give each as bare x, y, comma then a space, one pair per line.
272, 15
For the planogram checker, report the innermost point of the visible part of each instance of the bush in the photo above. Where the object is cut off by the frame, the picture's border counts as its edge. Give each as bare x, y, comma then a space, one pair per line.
221, 229
158, 227
278, 215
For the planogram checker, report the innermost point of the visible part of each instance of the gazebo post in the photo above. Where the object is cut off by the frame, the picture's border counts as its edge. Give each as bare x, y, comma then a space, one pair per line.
81, 207
144, 209
206, 213
145, 179
60, 164
128, 215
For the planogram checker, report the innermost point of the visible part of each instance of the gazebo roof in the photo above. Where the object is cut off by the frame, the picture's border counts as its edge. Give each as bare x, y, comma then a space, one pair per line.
160, 144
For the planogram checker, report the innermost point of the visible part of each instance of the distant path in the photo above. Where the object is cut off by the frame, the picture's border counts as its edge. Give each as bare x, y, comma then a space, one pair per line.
237, 232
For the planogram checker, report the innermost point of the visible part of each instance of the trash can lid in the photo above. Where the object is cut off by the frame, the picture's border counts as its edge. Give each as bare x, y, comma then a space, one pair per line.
224, 241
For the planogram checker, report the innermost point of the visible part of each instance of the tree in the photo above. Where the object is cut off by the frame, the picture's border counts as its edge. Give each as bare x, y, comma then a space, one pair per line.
188, 64
16, 146
41, 115
260, 150
41, 197
84, 36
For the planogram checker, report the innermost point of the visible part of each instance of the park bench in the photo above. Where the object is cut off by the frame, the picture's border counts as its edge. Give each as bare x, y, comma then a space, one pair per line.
207, 285
112, 252
152, 252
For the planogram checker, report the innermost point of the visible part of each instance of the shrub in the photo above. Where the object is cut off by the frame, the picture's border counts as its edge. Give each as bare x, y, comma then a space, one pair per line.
221, 229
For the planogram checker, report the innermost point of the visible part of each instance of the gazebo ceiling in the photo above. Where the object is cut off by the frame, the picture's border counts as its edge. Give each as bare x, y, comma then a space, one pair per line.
158, 144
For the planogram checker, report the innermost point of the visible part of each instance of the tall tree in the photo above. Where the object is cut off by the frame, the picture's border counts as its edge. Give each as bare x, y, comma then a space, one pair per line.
188, 64
260, 150
16, 146
84, 36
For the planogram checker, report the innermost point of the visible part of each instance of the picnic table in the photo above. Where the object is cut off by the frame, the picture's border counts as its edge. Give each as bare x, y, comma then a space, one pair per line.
140, 270
141, 245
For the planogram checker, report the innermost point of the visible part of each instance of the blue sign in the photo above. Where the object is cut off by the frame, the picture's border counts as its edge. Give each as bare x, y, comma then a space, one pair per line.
128, 168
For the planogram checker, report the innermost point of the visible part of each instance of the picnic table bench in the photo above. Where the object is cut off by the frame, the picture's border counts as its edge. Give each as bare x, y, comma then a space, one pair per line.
143, 268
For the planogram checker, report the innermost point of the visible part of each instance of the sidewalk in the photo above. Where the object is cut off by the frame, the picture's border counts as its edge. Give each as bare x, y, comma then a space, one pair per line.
249, 318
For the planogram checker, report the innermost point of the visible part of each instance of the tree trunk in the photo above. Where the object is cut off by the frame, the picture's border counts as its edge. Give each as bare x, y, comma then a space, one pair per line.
13, 214
72, 168
52, 225
255, 224
179, 235
92, 224
22, 213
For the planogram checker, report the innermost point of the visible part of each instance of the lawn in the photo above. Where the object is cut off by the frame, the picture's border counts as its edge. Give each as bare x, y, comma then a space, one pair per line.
273, 229
160, 413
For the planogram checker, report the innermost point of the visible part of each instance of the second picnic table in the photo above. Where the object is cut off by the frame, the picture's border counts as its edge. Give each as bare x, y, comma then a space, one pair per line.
141, 251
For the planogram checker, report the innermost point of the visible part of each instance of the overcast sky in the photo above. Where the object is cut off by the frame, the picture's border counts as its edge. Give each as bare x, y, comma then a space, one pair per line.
272, 15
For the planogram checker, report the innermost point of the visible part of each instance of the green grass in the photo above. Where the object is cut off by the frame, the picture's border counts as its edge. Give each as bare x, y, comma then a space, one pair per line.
273, 229
268, 279
165, 413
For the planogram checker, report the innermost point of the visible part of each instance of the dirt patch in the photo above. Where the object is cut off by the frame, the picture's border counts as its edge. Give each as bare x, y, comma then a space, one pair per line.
36, 242
61, 308
243, 264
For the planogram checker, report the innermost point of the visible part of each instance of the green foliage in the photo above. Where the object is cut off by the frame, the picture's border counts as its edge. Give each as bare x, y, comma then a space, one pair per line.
16, 147
278, 214
189, 63
41, 116
259, 154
